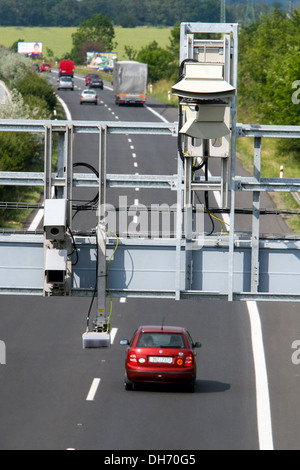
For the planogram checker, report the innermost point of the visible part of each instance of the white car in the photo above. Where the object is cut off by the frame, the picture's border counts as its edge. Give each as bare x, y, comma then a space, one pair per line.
65, 83
89, 96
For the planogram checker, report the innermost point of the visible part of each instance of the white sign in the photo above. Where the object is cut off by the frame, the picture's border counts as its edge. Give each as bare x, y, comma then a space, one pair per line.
30, 48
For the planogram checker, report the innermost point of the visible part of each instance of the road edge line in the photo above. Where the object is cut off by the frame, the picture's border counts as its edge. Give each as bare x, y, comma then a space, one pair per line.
263, 407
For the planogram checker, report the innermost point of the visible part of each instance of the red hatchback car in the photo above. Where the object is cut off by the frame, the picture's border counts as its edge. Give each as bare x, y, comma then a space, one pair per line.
46, 67
161, 354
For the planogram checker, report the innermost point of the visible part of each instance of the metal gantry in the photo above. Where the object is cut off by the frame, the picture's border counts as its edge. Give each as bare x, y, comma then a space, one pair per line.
189, 263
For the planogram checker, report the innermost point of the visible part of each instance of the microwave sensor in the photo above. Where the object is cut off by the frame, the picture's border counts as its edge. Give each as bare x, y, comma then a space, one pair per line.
207, 121
203, 82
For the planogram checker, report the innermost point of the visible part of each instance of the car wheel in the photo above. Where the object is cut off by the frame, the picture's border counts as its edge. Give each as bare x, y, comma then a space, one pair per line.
128, 385
191, 387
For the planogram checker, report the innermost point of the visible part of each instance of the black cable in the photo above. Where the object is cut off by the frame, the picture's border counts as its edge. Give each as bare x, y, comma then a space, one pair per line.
206, 197
74, 248
180, 117
88, 204
96, 285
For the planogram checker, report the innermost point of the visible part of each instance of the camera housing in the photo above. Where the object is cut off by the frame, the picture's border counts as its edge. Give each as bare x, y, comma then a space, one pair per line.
55, 219
203, 82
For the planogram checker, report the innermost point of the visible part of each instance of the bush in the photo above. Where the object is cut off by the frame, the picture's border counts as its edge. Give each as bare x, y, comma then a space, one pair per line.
13, 67
161, 63
35, 86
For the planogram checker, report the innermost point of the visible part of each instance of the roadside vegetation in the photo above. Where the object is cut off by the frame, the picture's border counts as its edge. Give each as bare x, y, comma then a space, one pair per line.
31, 98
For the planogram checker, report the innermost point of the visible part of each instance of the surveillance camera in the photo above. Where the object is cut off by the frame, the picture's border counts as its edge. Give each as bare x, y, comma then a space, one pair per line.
56, 266
205, 121
55, 219
203, 82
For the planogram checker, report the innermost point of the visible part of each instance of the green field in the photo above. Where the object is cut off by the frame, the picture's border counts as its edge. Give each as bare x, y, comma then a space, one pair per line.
59, 40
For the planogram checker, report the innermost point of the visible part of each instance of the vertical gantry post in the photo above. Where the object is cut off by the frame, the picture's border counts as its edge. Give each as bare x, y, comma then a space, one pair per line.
48, 162
180, 196
255, 218
233, 165
100, 336
69, 140
188, 223
102, 318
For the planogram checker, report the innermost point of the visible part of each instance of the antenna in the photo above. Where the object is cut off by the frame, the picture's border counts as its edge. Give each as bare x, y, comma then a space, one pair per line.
162, 324
250, 13
223, 11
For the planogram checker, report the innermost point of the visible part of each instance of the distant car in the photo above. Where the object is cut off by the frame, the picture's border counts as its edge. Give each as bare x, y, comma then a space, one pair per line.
89, 96
65, 83
161, 354
46, 67
96, 83
89, 77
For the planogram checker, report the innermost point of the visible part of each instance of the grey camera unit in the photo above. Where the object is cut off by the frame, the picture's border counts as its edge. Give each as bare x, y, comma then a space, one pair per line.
55, 219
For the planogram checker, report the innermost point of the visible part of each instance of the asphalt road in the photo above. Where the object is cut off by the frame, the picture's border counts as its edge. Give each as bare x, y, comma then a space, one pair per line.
48, 376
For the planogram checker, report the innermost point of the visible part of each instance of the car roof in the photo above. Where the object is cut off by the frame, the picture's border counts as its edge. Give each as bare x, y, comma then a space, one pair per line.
160, 328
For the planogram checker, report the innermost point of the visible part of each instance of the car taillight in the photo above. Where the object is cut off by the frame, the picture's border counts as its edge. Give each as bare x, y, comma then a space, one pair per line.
132, 358
189, 360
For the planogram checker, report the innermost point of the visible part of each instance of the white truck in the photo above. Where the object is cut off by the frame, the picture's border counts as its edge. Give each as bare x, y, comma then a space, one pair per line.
130, 82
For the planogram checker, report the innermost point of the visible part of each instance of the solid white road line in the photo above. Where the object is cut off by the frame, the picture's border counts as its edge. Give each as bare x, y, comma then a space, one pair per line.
93, 390
264, 420
36, 221
156, 113
65, 107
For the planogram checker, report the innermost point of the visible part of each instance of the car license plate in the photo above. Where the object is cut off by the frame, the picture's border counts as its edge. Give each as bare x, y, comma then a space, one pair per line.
161, 360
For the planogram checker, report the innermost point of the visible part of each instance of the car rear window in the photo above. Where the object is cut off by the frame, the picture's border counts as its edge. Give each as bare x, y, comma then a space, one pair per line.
161, 340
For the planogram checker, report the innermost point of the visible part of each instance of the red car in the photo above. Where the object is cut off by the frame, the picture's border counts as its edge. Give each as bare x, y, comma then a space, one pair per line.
46, 67
161, 354
93, 77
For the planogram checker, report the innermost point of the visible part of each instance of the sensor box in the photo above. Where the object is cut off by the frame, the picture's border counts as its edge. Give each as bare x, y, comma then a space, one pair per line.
55, 219
93, 339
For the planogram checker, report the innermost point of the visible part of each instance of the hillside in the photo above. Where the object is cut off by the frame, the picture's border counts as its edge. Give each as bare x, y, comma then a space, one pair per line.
126, 13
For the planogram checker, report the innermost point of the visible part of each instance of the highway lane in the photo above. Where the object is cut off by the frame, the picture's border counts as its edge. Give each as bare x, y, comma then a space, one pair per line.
48, 376
54, 375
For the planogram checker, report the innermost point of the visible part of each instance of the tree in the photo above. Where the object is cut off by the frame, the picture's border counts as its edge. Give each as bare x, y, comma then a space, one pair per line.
160, 61
97, 29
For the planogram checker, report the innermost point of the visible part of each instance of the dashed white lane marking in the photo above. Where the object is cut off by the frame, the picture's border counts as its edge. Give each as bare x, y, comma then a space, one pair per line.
113, 333
93, 390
